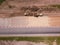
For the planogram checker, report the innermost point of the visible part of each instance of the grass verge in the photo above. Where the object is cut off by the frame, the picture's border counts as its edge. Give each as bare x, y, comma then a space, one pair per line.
31, 38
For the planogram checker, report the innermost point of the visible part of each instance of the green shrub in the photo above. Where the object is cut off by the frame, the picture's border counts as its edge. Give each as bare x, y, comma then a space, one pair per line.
1, 1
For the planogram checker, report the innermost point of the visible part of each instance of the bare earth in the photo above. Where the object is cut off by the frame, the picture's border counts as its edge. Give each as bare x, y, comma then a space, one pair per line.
24, 43
22, 21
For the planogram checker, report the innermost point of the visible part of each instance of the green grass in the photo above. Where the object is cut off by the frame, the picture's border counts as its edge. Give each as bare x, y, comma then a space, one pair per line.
30, 38
1, 1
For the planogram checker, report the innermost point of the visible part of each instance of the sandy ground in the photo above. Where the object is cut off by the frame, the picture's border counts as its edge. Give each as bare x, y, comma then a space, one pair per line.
24, 43
22, 21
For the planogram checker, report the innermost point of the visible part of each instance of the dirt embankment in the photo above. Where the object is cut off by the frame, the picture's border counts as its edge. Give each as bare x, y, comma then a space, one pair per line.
11, 8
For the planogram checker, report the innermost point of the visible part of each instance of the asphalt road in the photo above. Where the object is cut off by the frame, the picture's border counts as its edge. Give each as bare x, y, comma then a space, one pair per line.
42, 30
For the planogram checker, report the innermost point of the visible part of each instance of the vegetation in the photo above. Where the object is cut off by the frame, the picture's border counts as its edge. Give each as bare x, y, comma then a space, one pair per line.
33, 8
48, 8
47, 39
57, 5
30, 38
25, 8
1, 1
